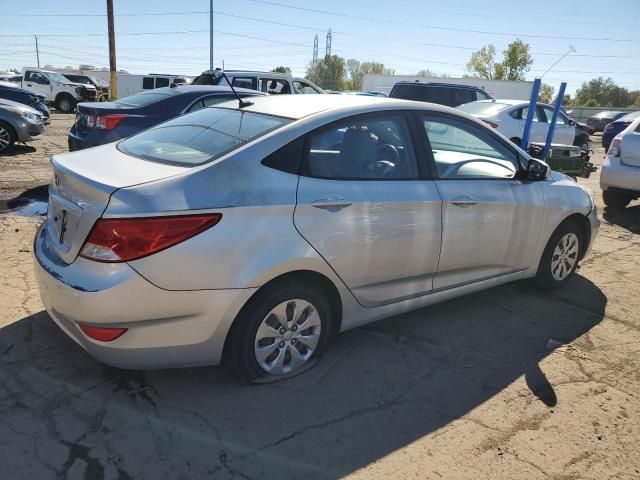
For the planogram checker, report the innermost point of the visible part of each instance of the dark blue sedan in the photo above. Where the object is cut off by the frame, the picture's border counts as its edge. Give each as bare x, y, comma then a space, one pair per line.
105, 122
26, 97
614, 128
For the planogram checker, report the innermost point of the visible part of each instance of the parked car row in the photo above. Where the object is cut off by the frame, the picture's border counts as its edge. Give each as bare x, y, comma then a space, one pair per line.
23, 115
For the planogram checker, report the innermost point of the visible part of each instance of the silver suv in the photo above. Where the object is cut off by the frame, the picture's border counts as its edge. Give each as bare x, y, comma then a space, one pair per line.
267, 82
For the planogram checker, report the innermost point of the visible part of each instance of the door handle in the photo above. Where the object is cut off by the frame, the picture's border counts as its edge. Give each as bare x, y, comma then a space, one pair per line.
463, 201
29, 85
329, 203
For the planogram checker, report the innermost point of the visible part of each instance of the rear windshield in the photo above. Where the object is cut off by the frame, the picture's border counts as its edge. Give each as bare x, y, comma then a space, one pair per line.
629, 117
483, 108
199, 137
142, 99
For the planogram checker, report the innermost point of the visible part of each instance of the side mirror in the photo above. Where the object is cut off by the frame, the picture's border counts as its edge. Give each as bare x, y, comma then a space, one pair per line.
572, 123
537, 170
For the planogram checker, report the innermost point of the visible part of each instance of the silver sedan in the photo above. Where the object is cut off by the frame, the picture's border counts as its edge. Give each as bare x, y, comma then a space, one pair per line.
250, 234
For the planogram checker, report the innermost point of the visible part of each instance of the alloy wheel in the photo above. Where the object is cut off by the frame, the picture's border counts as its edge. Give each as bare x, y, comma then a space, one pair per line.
565, 256
287, 337
5, 138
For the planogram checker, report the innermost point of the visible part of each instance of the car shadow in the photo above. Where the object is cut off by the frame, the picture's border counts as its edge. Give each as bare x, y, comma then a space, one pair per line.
35, 195
18, 149
629, 218
376, 389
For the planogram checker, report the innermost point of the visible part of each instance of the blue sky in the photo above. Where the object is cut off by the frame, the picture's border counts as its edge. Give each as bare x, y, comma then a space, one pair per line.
406, 35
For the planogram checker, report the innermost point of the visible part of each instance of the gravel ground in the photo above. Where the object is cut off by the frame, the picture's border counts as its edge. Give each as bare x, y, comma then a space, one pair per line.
462, 390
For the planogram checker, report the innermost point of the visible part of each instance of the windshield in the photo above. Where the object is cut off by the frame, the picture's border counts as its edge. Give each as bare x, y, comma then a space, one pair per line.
142, 99
483, 108
56, 77
199, 137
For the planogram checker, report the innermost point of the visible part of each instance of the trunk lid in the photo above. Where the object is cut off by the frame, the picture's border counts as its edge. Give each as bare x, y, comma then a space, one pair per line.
94, 109
81, 187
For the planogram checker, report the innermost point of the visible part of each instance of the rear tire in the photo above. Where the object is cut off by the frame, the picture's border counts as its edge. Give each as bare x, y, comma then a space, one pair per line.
265, 343
561, 256
615, 201
7, 137
66, 103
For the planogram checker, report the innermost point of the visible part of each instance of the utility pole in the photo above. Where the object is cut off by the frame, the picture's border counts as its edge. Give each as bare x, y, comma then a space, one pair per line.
37, 51
211, 35
113, 83
315, 51
327, 48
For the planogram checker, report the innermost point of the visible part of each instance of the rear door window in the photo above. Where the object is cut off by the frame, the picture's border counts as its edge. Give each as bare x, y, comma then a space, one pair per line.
460, 96
408, 92
439, 95
199, 137
147, 83
162, 82
363, 148
245, 82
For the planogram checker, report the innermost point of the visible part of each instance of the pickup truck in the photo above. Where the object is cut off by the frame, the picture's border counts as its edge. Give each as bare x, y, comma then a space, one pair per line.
58, 90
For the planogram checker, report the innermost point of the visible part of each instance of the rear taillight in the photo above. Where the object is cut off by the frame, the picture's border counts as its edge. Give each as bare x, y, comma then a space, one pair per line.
102, 334
91, 121
609, 126
125, 239
614, 148
108, 122
491, 124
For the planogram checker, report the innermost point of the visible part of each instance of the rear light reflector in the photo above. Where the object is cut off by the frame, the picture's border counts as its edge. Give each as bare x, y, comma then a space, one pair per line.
126, 239
491, 124
108, 122
614, 148
102, 334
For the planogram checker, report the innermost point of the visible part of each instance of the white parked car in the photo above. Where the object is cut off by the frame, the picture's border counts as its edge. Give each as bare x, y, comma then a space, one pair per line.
273, 83
59, 90
620, 173
509, 116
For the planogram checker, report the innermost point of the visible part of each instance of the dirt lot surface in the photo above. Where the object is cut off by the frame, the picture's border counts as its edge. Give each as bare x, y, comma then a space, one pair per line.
465, 389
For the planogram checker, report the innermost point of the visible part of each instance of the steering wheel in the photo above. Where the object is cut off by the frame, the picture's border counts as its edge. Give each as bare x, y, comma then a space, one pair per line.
388, 152
452, 171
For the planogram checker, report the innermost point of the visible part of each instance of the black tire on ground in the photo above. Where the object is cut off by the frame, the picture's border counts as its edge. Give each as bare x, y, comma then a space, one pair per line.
239, 355
549, 273
516, 140
615, 201
66, 103
7, 136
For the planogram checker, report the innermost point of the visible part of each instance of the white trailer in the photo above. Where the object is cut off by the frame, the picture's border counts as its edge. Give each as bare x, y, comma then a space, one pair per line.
128, 83
513, 90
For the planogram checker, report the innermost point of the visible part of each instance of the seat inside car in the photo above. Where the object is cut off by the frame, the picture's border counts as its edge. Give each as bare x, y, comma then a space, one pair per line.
357, 152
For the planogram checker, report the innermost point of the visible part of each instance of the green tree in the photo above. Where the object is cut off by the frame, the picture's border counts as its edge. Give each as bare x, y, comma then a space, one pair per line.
282, 69
329, 72
604, 92
356, 71
546, 93
425, 73
591, 103
566, 101
515, 63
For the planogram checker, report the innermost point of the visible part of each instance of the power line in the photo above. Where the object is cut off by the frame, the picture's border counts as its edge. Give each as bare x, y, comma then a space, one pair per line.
379, 20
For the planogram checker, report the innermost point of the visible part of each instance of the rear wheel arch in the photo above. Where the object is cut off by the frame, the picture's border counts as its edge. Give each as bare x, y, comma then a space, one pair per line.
239, 353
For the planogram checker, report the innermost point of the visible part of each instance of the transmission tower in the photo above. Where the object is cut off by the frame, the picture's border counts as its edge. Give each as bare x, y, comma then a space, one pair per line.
315, 50
327, 51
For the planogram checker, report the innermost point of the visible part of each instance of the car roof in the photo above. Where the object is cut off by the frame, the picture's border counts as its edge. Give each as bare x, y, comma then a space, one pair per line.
438, 84
300, 106
608, 113
178, 89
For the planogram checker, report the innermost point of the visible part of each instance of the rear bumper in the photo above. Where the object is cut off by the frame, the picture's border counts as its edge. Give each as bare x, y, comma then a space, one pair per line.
615, 174
595, 227
165, 328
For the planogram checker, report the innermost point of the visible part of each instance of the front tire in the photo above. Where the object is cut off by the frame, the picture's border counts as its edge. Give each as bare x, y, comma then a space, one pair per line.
279, 333
7, 137
66, 103
560, 257
615, 201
